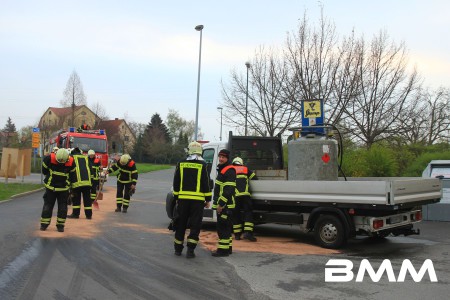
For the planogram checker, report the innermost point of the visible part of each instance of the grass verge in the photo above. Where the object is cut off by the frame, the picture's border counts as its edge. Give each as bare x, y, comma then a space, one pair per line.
11, 189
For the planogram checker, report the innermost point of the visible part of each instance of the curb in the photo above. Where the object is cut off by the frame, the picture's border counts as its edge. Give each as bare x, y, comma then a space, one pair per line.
27, 193
22, 194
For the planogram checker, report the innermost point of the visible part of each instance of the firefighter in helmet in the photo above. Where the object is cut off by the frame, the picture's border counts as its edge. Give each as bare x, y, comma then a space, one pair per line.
95, 166
126, 181
192, 191
56, 167
81, 185
243, 213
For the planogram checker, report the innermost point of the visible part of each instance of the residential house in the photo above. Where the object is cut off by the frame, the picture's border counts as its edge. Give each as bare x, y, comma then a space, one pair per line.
120, 137
61, 117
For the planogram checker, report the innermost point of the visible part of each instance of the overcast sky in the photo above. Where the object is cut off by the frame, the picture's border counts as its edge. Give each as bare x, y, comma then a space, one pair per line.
138, 58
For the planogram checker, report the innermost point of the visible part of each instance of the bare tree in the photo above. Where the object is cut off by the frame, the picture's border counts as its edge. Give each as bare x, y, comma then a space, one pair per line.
73, 94
318, 69
136, 128
385, 87
427, 120
100, 113
269, 110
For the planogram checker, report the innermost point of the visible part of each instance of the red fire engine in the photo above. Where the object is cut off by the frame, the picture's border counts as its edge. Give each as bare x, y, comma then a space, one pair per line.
84, 140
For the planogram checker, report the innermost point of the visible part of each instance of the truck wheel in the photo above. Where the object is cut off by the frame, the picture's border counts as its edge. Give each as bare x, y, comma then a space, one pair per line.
170, 205
329, 232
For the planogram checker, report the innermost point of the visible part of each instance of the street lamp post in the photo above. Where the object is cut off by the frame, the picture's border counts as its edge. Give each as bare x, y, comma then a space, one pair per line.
198, 28
247, 64
221, 109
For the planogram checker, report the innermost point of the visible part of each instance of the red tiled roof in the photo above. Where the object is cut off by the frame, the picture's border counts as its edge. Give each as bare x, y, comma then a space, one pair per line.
111, 126
62, 111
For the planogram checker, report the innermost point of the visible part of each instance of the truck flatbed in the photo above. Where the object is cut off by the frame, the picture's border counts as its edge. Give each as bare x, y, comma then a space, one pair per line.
374, 192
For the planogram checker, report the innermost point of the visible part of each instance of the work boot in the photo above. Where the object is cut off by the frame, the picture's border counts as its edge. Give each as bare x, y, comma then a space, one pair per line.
72, 216
60, 228
43, 228
190, 253
119, 209
88, 217
124, 209
249, 236
237, 236
220, 253
231, 250
177, 253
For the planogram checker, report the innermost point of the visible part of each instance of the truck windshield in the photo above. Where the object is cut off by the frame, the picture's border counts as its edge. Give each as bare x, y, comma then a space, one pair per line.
441, 171
85, 144
259, 153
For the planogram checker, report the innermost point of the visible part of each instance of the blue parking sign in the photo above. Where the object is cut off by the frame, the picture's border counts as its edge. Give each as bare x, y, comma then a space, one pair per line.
36, 129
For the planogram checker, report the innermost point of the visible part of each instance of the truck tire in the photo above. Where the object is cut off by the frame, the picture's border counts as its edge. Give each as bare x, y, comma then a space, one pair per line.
329, 232
170, 205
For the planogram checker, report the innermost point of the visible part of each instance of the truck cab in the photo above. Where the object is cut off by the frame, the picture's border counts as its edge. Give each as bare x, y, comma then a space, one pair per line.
438, 211
259, 154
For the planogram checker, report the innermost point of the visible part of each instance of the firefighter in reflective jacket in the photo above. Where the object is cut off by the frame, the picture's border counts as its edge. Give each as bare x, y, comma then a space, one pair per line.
244, 219
81, 185
56, 167
126, 181
192, 191
224, 191
95, 165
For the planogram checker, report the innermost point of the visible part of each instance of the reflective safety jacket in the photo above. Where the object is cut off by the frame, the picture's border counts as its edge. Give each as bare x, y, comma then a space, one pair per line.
243, 175
95, 166
191, 180
225, 186
81, 175
127, 173
57, 174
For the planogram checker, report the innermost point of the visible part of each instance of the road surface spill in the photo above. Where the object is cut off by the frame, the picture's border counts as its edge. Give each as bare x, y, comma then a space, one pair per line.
84, 228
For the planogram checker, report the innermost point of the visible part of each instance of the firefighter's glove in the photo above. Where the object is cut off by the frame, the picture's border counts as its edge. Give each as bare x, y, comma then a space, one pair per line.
132, 190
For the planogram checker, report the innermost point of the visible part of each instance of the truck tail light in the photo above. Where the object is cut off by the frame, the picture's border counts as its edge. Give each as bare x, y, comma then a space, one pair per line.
377, 224
417, 216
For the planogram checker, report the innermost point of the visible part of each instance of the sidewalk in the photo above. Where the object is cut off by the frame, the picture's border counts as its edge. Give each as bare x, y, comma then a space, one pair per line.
32, 178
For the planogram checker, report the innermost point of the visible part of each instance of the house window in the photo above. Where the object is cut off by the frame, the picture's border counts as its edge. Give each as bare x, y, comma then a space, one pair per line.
126, 138
49, 112
83, 113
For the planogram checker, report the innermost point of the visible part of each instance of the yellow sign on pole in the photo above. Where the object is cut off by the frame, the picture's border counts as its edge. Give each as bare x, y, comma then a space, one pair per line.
35, 139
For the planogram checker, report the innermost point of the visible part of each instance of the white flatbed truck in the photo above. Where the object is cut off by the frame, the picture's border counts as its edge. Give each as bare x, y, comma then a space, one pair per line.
333, 210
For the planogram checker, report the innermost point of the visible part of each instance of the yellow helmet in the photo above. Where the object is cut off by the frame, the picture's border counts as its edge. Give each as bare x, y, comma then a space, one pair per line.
91, 152
195, 148
62, 156
238, 161
124, 159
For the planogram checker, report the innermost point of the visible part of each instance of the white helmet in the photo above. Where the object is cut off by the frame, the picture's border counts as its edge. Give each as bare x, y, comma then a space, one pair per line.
238, 161
124, 159
91, 152
62, 155
195, 148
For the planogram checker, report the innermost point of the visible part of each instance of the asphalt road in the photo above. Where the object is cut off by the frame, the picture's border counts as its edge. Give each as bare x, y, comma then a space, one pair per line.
130, 256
